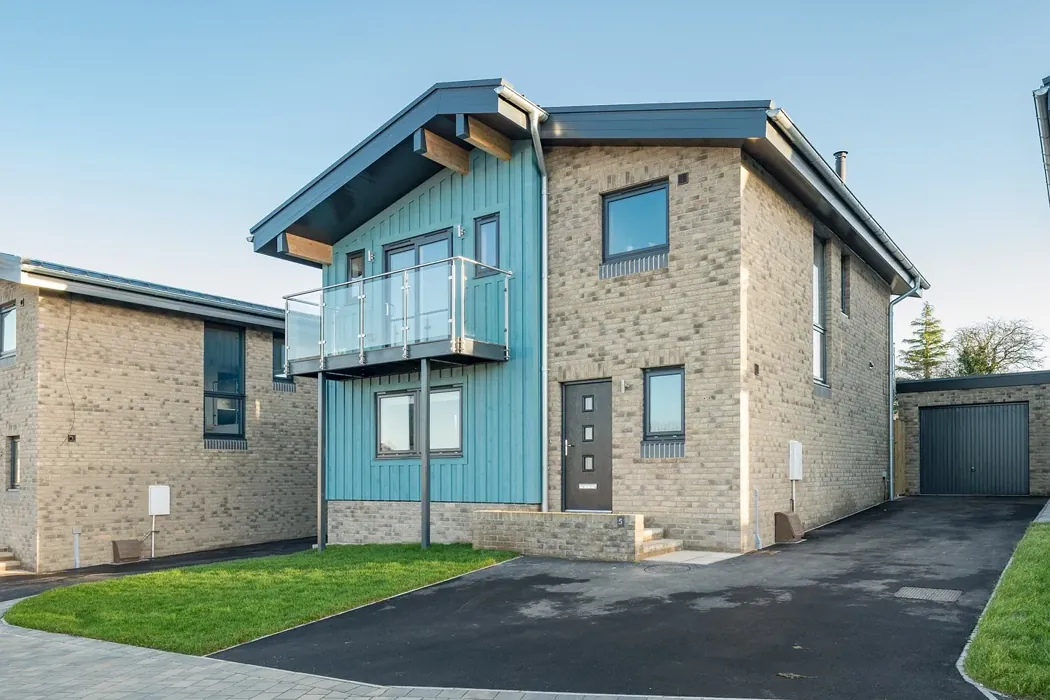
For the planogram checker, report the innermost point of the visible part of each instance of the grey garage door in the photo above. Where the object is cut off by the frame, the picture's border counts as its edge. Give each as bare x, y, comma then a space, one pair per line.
980, 449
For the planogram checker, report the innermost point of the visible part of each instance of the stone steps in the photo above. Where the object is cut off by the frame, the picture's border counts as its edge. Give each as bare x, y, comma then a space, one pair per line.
652, 548
8, 563
653, 533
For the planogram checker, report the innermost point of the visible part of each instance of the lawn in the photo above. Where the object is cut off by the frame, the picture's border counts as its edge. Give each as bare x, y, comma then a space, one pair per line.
1011, 650
201, 609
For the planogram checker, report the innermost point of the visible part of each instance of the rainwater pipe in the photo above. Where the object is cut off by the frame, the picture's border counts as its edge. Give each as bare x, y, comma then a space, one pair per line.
537, 116
1042, 115
916, 290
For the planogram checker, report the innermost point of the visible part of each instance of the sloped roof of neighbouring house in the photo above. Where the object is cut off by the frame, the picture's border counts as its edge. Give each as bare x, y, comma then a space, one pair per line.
390, 162
101, 285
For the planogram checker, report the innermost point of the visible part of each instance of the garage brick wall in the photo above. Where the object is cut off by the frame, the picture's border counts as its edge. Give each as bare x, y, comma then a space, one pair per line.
845, 434
18, 416
135, 378
1038, 398
687, 314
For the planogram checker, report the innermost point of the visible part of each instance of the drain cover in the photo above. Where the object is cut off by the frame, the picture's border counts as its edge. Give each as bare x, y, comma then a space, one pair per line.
938, 595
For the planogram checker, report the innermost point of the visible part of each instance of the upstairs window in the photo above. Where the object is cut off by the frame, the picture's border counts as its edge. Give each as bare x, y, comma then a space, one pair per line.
665, 403
486, 244
279, 352
820, 328
8, 331
634, 222
14, 475
844, 283
223, 382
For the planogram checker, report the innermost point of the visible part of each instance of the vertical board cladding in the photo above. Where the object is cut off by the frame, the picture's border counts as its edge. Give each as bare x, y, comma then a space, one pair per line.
501, 401
845, 435
18, 417
687, 314
1035, 396
129, 383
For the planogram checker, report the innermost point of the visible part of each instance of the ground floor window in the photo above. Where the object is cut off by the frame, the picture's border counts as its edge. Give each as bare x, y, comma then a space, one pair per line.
14, 463
397, 425
665, 403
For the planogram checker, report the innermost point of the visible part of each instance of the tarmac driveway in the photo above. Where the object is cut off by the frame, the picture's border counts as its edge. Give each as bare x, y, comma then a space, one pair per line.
813, 620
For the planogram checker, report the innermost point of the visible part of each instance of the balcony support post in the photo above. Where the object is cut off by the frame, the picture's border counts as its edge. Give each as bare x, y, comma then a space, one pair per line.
424, 452
322, 510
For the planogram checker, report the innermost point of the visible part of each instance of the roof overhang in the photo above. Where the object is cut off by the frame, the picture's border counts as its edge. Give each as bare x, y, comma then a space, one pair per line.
57, 279
385, 166
1042, 115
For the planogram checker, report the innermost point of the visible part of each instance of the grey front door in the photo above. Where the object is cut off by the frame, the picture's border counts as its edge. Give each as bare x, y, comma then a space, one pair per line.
587, 445
979, 449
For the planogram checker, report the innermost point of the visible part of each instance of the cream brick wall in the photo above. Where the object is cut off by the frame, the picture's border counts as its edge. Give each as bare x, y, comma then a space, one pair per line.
1038, 398
593, 536
392, 522
135, 380
18, 416
844, 436
688, 314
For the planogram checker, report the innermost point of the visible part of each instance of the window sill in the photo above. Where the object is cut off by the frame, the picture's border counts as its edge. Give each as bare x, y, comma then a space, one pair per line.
821, 390
235, 444
16, 489
633, 264
7, 360
663, 449
415, 456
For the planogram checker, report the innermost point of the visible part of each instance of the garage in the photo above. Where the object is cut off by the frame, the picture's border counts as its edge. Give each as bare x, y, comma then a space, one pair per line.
973, 436
974, 449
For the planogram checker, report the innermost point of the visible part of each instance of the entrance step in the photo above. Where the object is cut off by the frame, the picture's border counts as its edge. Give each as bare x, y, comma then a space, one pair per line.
5, 554
654, 548
653, 533
10, 565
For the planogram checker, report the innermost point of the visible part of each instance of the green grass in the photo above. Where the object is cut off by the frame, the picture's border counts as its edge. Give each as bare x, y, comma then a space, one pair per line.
201, 609
1011, 650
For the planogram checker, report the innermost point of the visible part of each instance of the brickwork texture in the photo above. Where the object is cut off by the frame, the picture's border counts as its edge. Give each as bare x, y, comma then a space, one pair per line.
592, 536
391, 522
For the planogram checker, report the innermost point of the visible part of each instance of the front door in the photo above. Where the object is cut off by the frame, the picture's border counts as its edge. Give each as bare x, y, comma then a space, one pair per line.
587, 445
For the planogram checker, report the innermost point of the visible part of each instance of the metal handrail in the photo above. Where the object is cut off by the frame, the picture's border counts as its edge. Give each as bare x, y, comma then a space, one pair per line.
358, 280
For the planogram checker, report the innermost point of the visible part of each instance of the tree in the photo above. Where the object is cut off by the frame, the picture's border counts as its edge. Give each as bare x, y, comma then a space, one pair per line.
927, 351
997, 345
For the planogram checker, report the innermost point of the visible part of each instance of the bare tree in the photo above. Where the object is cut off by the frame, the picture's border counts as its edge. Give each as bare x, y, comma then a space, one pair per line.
997, 345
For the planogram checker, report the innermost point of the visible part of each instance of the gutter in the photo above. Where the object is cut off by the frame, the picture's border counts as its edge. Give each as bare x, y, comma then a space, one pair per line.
538, 115
1042, 115
781, 120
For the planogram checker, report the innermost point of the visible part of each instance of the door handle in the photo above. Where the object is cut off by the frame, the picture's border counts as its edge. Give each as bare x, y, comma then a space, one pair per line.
567, 446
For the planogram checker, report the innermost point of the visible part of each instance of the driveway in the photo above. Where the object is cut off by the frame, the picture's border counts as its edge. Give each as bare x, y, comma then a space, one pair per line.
813, 620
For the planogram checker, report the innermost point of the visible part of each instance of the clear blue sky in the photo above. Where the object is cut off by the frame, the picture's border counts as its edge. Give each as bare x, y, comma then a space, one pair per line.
144, 139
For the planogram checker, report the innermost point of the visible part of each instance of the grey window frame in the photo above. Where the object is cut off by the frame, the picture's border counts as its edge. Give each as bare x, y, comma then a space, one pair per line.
478, 222
11, 308
349, 259
627, 193
241, 397
820, 302
281, 376
380, 395
845, 282
661, 436
14, 462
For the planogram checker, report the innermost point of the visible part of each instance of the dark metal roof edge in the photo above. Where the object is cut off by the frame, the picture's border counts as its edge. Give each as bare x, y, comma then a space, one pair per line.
265, 314
984, 381
662, 106
489, 82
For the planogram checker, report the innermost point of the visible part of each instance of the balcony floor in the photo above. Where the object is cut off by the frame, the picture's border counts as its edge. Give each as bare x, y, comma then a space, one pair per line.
391, 360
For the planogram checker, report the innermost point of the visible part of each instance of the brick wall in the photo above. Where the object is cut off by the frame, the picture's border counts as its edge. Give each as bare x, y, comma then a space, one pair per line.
18, 416
135, 380
844, 435
1038, 398
687, 314
594, 536
391, 522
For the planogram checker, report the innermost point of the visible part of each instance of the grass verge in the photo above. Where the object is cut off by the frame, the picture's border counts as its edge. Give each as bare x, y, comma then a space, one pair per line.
1011, 650
201, 609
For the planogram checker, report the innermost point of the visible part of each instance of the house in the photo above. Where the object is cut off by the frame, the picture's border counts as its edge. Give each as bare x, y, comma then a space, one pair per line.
624, 315
111, 386
1042, 116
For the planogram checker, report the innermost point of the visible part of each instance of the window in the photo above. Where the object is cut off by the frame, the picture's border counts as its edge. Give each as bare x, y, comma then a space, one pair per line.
279, 350
820, 329
845, 283
397, 427
8, 331
14, 463
634, 221
665, 403
486, 244
223, 382
355, 266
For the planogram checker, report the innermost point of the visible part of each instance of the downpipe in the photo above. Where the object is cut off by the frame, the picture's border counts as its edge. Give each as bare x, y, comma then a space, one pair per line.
916, 290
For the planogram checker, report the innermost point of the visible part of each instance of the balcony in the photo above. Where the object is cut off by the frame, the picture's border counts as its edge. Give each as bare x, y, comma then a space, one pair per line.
454, 311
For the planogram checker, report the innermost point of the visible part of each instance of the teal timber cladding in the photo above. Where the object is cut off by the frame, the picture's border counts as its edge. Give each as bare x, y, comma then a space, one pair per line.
501, 460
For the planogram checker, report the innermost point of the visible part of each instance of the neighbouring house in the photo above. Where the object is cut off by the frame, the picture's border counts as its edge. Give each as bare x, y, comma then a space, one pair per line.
590, 331
1042, 116
984, 435
112, 385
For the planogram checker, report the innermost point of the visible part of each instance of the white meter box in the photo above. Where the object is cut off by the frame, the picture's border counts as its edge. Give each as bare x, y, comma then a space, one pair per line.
795, 460
160, 500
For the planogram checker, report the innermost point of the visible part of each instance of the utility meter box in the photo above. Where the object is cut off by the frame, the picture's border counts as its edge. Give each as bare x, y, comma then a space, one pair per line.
160, 500
795, 460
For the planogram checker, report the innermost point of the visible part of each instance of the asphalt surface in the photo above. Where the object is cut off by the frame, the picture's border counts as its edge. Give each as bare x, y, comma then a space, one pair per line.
22, 585
813, 620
